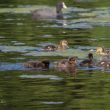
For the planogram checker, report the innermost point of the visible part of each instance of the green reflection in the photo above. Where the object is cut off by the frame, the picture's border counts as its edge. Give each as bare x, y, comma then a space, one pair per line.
89, 90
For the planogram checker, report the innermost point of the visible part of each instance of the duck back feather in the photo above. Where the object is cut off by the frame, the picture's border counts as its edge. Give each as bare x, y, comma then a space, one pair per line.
49, 13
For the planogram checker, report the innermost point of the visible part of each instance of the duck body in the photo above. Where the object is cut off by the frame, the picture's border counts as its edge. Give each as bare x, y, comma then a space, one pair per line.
88, 62
102, 51
104, 64
63, 44
108, 53
49, 13
46, 13
50, 48
37, 64
66, 65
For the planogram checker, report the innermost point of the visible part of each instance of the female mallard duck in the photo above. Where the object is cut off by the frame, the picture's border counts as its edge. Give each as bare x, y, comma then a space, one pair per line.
61, 46
66, 65
102, 51
49, 13
88, 62
37, 64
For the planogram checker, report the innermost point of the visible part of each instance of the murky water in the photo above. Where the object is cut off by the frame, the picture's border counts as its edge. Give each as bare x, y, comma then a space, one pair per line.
85, 26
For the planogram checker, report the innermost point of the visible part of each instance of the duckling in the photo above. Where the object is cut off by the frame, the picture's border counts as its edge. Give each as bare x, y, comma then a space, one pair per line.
49, 13
37, 64
50, 48
108, 53
99, 49
66, 65
88, 62
102, 51
63, 44
104, 64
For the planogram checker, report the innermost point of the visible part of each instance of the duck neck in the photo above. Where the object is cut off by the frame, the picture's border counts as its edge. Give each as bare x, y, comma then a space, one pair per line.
59, 11
91, 58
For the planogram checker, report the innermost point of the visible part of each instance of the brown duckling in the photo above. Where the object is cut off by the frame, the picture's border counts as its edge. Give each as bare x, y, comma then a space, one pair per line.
105, 64
108, 53
63, 44
37, 64
67, 62
66, 65
88, 62
50, 48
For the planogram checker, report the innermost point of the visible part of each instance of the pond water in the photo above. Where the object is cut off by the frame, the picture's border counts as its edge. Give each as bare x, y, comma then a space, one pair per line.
86, 25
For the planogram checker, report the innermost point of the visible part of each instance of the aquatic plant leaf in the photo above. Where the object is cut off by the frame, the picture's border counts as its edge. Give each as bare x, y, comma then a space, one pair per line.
65, 53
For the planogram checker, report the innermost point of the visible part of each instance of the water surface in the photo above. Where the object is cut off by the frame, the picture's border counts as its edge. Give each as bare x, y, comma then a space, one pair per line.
85, 26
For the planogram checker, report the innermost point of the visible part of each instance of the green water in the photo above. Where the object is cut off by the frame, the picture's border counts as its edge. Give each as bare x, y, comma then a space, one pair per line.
86, 25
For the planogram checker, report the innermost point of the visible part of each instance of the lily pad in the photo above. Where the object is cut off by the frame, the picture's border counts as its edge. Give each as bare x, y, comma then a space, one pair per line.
65, 53
16, 48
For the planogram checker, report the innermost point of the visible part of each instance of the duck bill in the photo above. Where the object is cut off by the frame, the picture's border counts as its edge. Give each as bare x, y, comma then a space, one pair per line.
64, 6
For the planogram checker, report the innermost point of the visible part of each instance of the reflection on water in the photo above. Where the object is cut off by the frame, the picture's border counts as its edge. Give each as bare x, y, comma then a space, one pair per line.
85, 26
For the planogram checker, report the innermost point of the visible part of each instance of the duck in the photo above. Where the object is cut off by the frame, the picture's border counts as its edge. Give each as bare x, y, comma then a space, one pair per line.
49, 13
50, 48
63, 44
67, 65
87, 62
105, 64
108, 53
44, 64
102, 51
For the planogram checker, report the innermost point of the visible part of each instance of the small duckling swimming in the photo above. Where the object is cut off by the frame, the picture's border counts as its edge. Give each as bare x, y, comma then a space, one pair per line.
88, 62
63, 44
66, 65
105, 64
50, 48
102, 51
44, 64
108, 53
67, 62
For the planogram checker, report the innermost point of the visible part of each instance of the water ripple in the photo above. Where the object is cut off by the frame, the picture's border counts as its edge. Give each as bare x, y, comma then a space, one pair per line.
52, 102
51, 77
